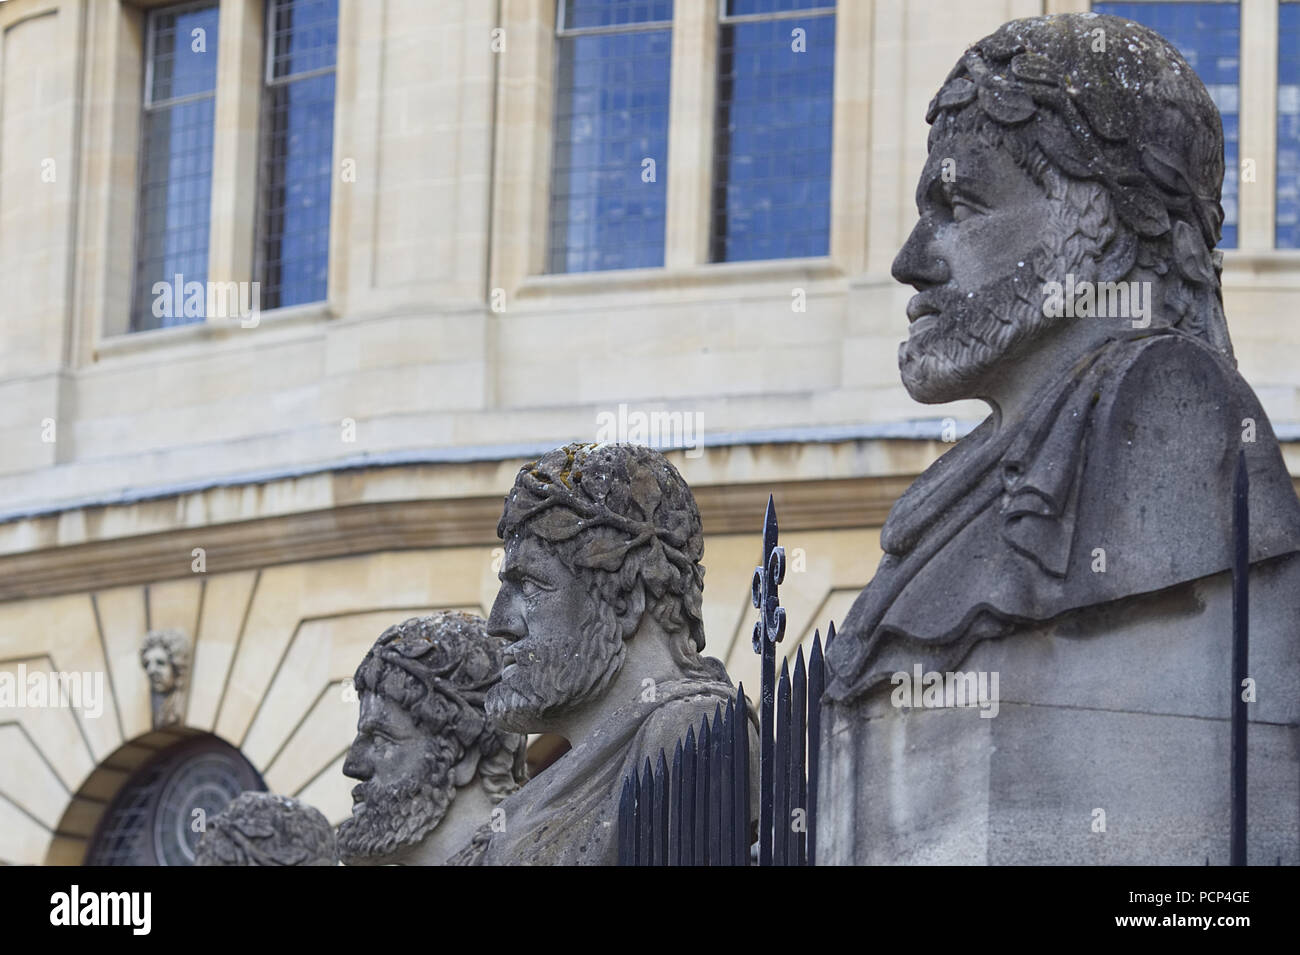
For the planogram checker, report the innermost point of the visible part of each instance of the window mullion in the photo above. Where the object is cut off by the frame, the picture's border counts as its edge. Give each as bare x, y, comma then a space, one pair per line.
234, 158
693, 89
1258, 126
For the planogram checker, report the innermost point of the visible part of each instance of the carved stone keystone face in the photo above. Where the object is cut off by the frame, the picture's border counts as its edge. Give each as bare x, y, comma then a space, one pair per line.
165, 657
158, 667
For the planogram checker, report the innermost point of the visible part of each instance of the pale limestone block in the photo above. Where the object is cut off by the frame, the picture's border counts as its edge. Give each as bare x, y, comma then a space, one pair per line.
53, 730
122, 622
274, 613
29, 781
37, 172
311, 664
175, 603
63, 631
330, 792
23, 841
327, 730
225, 601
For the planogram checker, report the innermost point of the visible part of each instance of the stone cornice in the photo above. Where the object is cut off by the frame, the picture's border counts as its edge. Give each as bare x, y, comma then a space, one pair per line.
362, 528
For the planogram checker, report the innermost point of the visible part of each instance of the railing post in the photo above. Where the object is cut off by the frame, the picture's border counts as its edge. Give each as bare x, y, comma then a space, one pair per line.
1240, 657
768, 632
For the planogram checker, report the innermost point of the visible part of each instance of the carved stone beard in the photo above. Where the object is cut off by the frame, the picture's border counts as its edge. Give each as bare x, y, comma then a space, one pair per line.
398, 817
558, 679
972, 334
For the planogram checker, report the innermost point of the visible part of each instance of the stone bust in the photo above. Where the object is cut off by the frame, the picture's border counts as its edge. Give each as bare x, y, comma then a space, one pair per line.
1079, 541
267, 829
165, 656
1059, 164
432, 767
600, 600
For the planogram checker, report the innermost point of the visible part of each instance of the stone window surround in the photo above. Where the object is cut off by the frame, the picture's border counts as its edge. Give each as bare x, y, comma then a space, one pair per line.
860, 242
520, 201
520, 270
521, 179
114, 43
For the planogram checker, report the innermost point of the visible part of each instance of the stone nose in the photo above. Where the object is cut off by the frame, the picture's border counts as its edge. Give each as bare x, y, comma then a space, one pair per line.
356, 765
918, 264
505, 620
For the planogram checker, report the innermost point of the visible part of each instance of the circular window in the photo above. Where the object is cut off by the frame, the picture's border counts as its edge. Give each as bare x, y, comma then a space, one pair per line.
152, 821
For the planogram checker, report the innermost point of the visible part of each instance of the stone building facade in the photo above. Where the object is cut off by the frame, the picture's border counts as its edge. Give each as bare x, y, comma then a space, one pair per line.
282, 487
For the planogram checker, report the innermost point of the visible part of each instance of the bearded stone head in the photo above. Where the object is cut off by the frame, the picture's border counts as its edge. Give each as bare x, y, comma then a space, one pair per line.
1077, 145
423, 733
267, 829
598, 537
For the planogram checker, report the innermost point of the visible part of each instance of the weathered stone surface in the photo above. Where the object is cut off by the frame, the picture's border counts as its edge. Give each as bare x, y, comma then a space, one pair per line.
267, 829
601, 589
1122, 708
1087, 522
433, 768
165, 656
944, 787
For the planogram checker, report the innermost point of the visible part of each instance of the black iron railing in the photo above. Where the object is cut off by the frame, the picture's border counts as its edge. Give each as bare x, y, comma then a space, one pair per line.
1240, 658
699, 811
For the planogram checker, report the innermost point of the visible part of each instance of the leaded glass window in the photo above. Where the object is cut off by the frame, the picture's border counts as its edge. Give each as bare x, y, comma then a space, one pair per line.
175, 161
1288, 126
297, 151
151, 819
1208, 35
609, 169
772, 146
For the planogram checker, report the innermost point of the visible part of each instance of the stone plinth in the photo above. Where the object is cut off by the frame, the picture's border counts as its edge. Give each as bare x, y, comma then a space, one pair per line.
1122, 708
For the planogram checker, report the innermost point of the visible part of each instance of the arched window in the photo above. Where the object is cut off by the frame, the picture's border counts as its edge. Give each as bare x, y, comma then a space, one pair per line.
159, 814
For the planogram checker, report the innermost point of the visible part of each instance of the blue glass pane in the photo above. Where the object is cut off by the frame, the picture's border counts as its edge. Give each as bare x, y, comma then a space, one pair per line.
772, 167
1288, 126
296, 198
740, 8
175, 189
608, 185
1208, 35
579, 14
304, 36
184, 52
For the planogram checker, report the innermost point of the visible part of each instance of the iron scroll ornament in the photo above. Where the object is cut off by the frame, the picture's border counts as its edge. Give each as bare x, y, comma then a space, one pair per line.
770, 625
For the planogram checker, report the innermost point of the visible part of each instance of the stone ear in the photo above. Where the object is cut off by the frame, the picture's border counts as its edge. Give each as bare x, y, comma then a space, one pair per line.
1191, 257
464, 771
631, 607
